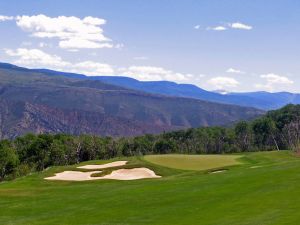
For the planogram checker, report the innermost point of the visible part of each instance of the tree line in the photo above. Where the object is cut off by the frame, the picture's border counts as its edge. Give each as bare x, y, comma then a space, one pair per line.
277, 130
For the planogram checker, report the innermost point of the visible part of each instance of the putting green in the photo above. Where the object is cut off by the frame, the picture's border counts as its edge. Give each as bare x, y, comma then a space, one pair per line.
194, 162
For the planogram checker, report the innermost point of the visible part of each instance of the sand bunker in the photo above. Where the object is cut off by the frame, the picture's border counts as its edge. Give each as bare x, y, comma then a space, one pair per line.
121, 174
131, 174
103, 166
74, 176
218, 171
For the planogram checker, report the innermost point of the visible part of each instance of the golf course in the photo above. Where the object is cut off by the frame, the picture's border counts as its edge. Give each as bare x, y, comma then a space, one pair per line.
251, 188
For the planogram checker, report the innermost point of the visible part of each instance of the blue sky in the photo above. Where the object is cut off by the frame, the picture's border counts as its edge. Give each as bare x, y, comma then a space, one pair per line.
237, 45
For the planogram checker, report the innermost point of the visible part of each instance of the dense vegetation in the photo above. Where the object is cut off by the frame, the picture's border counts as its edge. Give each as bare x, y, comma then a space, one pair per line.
276, 130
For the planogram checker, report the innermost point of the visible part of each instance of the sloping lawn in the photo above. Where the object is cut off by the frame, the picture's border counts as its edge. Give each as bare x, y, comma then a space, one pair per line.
265, 189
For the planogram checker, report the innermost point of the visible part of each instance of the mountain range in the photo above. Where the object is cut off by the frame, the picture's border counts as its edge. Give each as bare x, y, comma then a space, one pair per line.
42, 101
261, 100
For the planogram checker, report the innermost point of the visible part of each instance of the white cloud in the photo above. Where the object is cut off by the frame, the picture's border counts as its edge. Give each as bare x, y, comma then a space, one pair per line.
31, 57
274, 81
35, 58
223, 82
91, 68
72, 32
94, 21
217, 28
151, 73
274, 78
5, 18
76, 43
197, 27
231, 70
227, 26
240, 26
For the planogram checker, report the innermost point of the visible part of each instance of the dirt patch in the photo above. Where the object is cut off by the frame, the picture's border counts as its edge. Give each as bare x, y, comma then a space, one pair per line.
103, 166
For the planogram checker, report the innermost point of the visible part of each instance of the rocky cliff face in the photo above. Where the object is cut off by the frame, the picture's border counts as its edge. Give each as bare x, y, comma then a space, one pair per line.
32, 118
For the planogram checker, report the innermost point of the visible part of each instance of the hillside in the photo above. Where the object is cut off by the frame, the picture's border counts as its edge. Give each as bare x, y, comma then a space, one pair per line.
260, 100
35, 102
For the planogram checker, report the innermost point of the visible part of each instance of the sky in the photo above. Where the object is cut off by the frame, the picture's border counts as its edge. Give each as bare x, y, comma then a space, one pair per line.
232, 45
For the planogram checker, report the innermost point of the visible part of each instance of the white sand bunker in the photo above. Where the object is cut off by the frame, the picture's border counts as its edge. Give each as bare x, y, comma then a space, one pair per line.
74, 176
218, 171
103, 166
121, 174
131, 174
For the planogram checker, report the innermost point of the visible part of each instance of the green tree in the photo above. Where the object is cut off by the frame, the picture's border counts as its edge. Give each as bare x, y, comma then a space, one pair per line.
265, 133
243, 135
8, 159
164, 146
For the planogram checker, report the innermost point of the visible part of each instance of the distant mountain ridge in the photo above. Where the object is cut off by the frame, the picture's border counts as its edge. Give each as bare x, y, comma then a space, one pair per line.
43, 101
261, 100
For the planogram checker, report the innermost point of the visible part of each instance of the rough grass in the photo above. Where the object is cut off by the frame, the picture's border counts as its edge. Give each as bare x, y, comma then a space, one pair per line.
194, 162
267, 195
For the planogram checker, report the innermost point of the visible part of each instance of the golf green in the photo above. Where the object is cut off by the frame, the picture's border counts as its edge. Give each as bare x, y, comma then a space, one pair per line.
194, 162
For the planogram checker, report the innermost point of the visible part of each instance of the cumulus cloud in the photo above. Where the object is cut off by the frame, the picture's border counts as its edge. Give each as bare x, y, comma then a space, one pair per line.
240, 26
151, 73
72, 32
92, 68
30, 57
223, 82
274, 78
227, 26
218, 28
273, 81
5, 18
231, 70
35, 58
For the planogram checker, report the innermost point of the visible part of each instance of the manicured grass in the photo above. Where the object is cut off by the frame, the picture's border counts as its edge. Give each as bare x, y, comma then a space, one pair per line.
268, 195
194, 162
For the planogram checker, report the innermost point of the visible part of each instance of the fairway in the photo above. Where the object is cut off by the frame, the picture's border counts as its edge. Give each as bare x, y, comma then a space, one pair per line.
265, 189
194, 162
